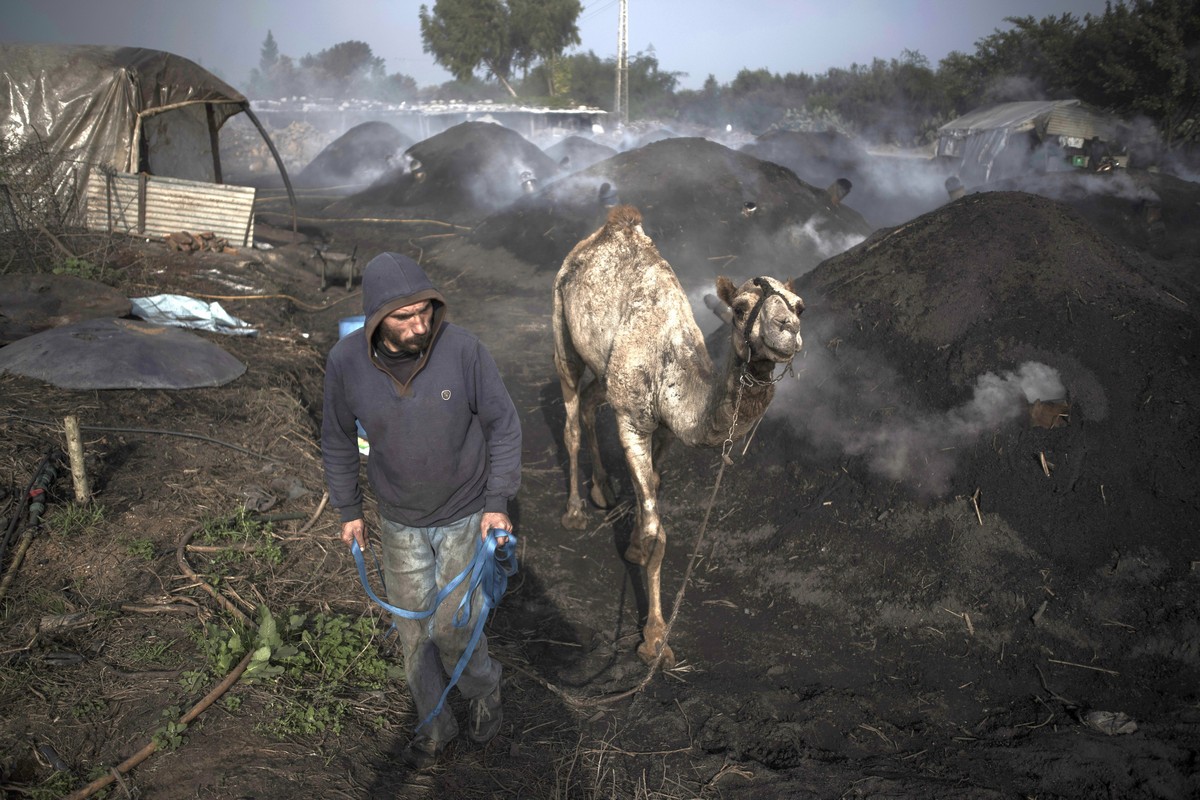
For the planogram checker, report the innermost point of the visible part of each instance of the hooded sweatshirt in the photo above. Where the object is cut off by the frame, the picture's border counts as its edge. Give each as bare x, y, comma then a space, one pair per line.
444, 444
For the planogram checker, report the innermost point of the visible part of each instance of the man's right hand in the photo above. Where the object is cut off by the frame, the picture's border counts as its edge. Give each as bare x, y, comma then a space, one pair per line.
355, 531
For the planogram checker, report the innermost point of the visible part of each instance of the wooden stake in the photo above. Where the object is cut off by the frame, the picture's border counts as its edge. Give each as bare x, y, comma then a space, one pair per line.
975, 502
83, 492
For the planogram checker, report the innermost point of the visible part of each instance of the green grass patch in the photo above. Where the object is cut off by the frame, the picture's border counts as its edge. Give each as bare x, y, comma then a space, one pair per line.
73, 519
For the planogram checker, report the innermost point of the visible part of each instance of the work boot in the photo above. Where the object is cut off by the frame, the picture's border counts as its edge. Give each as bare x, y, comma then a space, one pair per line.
486, 714
422, 753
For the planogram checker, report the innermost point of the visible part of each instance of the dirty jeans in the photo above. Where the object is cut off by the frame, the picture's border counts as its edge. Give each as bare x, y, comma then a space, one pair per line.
417, 562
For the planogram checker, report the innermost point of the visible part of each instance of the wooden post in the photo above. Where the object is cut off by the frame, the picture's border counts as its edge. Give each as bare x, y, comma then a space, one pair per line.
83, 493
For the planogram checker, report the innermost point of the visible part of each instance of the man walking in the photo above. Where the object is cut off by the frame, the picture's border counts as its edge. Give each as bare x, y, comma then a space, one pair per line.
445, 460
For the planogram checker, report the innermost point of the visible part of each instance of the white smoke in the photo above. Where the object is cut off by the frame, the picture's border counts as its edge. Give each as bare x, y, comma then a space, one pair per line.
826, 244
864, 412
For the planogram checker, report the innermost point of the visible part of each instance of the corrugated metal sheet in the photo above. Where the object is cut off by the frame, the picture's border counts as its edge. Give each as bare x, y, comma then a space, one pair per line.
1049, 117
171, 205
1079, 122
1021, 115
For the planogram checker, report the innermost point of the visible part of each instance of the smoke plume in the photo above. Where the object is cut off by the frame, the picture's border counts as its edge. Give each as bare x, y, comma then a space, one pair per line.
844, 403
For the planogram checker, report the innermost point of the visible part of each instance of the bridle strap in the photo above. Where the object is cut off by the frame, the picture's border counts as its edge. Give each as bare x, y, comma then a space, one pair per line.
767, 291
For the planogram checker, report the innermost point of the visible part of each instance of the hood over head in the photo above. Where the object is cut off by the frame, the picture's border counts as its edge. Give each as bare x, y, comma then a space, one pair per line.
392, 281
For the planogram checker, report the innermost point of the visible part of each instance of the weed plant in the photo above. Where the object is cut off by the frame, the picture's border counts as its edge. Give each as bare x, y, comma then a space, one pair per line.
312, 665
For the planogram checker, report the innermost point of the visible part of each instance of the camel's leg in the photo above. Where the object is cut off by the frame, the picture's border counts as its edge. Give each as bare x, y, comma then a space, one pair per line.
662, 443
570, 372
602, 493
649, 540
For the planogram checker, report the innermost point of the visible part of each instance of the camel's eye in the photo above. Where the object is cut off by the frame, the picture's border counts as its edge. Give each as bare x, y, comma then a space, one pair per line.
740, 312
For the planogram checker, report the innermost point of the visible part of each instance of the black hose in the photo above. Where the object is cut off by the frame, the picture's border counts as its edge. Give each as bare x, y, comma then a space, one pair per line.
184, 434
21, 504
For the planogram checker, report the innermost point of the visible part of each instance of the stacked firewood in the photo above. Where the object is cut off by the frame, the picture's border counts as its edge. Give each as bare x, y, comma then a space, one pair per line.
184, 242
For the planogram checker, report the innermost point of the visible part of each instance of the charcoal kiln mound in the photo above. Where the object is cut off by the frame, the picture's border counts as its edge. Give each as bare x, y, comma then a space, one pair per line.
1151, 213
829, 153
638, 135
462, 174
709, 209
356, 158
579, 153
983, 490
886, 189
988, 286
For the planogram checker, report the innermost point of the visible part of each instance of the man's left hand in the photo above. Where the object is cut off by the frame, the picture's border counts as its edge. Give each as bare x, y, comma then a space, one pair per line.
494, 519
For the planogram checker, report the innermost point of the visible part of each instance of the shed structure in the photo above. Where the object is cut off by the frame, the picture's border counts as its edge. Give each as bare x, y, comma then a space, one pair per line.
1004, 140
108, 116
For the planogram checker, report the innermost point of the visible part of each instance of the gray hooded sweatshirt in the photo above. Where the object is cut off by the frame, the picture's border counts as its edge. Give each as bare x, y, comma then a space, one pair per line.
443, 445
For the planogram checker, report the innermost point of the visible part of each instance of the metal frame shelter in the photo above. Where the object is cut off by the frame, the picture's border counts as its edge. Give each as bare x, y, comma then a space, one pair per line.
118, 110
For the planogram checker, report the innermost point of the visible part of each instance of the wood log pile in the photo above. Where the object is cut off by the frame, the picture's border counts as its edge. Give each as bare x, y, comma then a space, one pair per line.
184, 242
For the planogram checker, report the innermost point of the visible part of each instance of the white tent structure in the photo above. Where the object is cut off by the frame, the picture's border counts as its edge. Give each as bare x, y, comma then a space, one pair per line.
998, 141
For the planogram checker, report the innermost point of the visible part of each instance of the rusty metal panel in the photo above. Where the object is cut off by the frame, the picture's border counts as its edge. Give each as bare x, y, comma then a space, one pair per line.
1078, 122
171, 205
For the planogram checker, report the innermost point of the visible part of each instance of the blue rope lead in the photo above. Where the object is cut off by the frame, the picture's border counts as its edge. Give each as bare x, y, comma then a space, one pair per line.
490, 568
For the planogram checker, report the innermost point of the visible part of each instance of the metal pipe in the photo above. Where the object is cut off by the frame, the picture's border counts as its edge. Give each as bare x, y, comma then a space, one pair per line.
279, 162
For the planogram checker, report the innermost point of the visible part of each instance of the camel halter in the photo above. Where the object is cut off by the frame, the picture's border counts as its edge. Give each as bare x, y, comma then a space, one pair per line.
746, 379
767, 291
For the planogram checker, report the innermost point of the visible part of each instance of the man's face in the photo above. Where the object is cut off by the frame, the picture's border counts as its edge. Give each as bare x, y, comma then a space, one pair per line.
408, 328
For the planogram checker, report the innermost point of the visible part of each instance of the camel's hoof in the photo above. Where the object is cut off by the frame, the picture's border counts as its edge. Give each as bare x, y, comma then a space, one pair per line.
647, 652
602, 495
574, 520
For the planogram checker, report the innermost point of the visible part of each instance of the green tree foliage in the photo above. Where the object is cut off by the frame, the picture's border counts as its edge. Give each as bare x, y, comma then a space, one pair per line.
344, 64
269, 54
592, 79
650, 86
465, 36
1032, 59
542, 31
346, 69
1144, 60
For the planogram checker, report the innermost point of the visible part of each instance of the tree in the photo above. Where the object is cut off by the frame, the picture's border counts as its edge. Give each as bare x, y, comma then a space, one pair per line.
650, 88
1144, 59
1032, 58
345, 63
269, 54
465, 35
542, 30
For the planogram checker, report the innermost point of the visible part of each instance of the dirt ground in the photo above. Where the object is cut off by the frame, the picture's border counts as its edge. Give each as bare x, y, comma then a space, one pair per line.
957, 559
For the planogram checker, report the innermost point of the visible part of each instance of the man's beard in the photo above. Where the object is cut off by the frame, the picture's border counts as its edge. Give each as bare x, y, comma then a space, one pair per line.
414, 346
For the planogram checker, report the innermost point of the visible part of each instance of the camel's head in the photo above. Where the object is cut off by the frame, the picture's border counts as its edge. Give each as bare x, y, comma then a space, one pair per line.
766, 318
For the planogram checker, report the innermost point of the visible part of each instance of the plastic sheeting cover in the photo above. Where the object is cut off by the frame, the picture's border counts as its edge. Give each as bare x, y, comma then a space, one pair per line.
84, 103
120, 354
188, 312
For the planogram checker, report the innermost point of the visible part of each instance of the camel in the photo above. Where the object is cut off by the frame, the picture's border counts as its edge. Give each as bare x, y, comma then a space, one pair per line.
620, 312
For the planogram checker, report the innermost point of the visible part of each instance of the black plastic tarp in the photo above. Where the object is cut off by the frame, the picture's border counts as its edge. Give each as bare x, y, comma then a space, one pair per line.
128, 109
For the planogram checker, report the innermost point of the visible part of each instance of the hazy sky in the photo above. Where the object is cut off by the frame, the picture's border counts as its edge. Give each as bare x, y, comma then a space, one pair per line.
696, 37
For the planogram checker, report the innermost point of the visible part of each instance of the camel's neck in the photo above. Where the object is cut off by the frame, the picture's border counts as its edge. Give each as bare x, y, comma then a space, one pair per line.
729, 395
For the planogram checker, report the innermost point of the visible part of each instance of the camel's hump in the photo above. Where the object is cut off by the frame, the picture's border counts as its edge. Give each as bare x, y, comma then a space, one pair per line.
624, 217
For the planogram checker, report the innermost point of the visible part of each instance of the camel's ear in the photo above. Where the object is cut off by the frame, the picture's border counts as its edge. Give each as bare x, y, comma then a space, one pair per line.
791, 287
726, 290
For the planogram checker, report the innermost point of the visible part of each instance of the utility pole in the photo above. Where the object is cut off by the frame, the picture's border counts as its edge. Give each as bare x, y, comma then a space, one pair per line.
621, 101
